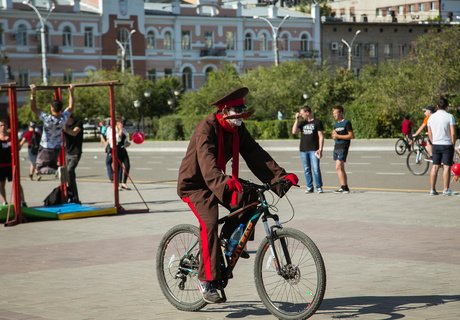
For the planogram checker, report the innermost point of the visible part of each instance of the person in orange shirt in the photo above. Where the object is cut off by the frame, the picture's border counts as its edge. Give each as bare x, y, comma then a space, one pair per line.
429, 110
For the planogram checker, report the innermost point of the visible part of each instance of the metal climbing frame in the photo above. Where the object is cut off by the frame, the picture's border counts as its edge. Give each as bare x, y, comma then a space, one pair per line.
12, 89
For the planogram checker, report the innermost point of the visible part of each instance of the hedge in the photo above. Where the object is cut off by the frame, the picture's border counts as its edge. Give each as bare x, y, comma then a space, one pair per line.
182, 127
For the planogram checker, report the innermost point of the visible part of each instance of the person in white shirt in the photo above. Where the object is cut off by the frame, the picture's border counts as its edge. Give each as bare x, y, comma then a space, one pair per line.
442, 134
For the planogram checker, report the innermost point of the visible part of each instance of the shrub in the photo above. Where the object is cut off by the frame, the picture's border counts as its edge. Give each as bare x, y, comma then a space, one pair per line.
170, 128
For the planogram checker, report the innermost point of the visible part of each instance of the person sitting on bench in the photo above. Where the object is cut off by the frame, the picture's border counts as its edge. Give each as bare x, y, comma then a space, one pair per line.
53, 125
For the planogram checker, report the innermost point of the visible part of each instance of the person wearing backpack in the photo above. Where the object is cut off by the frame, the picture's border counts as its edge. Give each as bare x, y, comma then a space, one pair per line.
32, 137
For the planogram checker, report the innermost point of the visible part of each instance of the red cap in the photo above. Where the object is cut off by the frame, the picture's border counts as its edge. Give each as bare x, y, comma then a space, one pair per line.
233, 99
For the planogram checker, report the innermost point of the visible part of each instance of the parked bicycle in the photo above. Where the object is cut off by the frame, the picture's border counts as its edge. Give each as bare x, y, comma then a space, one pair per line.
289, 271
418, 160
401, 145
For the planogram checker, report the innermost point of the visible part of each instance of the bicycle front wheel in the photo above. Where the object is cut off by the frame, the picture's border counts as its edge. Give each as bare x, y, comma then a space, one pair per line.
417, 162
401, 146
295, 288
177, 262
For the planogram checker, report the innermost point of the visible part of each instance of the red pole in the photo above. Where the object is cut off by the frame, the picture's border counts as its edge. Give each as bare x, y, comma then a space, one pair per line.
15, 156
113, 125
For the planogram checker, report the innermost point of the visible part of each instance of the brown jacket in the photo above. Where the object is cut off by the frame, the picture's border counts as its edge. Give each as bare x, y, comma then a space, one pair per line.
199, 169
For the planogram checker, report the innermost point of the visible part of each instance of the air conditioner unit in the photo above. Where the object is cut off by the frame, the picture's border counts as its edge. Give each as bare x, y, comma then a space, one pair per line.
334, 46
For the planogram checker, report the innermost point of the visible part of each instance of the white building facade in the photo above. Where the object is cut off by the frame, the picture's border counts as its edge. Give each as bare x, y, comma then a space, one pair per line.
404, 11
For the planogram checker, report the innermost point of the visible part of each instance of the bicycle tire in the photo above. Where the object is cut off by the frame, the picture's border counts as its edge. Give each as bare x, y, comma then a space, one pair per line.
401, 146
177, 271
420, 167
300, 293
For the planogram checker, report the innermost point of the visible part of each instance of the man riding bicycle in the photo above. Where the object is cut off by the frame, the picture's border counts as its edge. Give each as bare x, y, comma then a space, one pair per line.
203, 184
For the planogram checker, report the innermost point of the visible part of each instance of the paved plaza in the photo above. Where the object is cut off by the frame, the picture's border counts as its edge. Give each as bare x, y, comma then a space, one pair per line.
388, 255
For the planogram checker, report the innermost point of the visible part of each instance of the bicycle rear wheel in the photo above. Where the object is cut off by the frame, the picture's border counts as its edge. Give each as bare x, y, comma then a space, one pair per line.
293, 290
177, 262
401, 146
417, 162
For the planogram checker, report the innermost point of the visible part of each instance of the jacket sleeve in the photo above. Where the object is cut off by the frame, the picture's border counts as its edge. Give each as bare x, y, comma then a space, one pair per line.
206, 149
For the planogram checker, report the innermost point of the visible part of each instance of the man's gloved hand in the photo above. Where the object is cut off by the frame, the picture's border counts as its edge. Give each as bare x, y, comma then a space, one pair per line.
234, 185
292, 178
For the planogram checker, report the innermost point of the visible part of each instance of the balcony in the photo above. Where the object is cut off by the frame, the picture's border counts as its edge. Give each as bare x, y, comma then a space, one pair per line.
213, 53
309, 54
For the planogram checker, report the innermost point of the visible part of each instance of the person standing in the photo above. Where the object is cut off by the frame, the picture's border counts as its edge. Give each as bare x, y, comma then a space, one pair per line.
53, 125
442, 132
32, 137
73, 135
342, 134
122, 142
311, 146
107, 149
428, 111
203, 184
406, 129
6, 166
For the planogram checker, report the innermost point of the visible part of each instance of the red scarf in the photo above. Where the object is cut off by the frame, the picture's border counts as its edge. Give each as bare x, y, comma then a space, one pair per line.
221, 162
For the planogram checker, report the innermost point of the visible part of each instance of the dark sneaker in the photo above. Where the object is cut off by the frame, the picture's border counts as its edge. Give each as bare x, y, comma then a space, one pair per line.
210, 294
342, 190
309, 190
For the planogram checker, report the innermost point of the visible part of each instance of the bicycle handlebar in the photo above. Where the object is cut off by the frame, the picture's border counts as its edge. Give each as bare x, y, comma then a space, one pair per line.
250, 186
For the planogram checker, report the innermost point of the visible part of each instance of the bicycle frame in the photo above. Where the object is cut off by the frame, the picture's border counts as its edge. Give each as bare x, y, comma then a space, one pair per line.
263, 212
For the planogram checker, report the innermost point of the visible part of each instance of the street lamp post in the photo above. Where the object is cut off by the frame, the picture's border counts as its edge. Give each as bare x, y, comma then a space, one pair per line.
275, 35
123, 52
42, 37
138, 105
350, 46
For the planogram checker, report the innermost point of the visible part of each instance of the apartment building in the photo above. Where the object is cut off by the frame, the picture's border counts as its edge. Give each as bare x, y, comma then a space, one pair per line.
403, 11
150, 39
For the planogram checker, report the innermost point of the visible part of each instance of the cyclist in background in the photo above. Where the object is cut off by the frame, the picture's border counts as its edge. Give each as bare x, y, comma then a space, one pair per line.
406, 129
203, 184
428, 110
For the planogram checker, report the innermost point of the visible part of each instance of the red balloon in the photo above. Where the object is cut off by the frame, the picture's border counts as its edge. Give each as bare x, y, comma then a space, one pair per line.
456, 169
138, 137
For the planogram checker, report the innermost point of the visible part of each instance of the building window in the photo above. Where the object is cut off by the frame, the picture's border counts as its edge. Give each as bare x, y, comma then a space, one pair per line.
67, 37
422, 7
411, 8
304, 43
150, 40
208, 40
433, 6
341, 50
186, 40
89, 37
168, 41
68, 76
21, 37
387, 50
357, 50
248, 42
2, 33
378, 12
230, 35
208, 72
402, 50
152, 75
23, 78
372, 50
168, 72
187, 78
263, 42
284, 42
401, 10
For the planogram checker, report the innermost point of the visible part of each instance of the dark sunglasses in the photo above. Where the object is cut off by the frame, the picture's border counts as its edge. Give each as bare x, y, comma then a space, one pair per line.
238, 109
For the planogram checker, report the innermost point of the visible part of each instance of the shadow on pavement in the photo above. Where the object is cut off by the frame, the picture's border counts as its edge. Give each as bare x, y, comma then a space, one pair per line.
394, 307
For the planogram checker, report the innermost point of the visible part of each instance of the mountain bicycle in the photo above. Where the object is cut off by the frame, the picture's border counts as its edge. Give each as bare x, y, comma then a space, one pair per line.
289, 271
401, 145
418, 160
